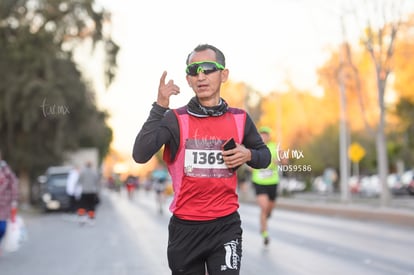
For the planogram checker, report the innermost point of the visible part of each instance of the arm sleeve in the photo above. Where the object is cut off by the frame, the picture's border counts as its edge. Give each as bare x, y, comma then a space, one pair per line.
14, 184
161, 127
252, 140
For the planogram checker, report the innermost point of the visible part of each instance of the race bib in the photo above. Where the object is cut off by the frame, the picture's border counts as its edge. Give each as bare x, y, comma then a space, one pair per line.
265, 173
203, 158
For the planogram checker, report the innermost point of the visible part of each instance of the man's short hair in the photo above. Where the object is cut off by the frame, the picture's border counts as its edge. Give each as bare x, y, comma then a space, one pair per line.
202, 47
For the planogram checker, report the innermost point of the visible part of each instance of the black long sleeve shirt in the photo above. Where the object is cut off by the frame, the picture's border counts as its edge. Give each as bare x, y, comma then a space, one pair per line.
161, 127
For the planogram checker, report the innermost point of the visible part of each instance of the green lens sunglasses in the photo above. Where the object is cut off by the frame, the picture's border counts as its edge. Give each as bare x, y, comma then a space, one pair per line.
206, 67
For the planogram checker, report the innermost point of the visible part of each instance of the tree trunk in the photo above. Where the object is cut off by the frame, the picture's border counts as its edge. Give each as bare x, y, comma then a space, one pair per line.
382, 147
383, 167
24, 188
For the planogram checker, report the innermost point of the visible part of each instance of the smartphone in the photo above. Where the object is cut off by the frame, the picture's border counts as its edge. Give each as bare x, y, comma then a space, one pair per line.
229, 144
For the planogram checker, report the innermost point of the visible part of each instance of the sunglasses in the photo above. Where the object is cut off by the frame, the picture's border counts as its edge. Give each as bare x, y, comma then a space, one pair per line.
206, 67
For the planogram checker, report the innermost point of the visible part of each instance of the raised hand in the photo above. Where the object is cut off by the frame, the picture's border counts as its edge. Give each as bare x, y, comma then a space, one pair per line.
165, 90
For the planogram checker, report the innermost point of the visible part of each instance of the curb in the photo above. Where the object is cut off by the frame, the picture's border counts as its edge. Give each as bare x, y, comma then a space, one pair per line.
363, 213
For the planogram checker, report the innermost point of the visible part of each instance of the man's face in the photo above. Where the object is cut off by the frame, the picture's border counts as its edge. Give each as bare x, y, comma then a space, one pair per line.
207, 86
265, 137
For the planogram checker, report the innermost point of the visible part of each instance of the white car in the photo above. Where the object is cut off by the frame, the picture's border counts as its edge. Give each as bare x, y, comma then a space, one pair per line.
291, 185
370, 186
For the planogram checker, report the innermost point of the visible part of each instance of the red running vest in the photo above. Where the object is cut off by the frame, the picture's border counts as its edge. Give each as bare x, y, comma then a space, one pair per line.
204, 188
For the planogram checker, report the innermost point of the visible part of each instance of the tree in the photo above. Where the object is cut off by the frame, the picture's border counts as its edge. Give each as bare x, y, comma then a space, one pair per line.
243, 96
68, 22
381, 20
379, 41
46, 107
404, 108
405, 134
295, 116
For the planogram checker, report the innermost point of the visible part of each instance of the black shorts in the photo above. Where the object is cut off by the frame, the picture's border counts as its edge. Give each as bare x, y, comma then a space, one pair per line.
88, 201
195, 245
269, 190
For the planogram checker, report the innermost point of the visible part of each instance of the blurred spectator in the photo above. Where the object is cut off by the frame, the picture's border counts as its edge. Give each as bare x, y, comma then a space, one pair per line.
71, 188
329, 178
131, 184
159, 182
111, 183
89, 184
8, 195
244, 175
117, 182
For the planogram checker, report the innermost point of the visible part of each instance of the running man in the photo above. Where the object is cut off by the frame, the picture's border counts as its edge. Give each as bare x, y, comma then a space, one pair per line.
265, 182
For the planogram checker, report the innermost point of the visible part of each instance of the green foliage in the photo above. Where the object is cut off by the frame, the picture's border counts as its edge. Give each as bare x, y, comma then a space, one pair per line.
368, 164
46, 107
404, 137
321, 152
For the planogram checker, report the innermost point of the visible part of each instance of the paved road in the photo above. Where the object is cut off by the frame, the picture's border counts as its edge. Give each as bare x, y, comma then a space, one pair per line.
130, 237
400, 210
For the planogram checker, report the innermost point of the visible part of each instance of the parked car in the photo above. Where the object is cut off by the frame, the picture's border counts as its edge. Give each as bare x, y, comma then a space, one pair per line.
408, 181
396, 185
319, 186
410, 187
370, 186
53, 194
291, 185
354, 184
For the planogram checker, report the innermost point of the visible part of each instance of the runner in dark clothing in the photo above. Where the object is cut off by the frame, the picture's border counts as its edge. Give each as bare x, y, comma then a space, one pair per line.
205, 228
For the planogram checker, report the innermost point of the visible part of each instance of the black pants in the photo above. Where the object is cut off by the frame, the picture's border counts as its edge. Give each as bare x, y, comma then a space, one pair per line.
72, 203
216, 245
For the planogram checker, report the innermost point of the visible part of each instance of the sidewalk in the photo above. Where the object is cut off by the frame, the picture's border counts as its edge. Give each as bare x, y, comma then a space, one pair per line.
400, 211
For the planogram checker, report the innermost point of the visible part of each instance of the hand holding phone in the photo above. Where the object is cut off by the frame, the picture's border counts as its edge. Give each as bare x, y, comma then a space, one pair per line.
229, 144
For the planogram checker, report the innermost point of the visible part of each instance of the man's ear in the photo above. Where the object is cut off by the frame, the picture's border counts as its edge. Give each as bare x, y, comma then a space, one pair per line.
224, 75
188, 80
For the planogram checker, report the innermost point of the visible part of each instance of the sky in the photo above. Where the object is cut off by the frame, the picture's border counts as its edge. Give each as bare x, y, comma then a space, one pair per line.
265, 43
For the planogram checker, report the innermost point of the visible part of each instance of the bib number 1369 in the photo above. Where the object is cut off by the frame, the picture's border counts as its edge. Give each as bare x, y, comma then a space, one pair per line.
207, 157
204, 158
